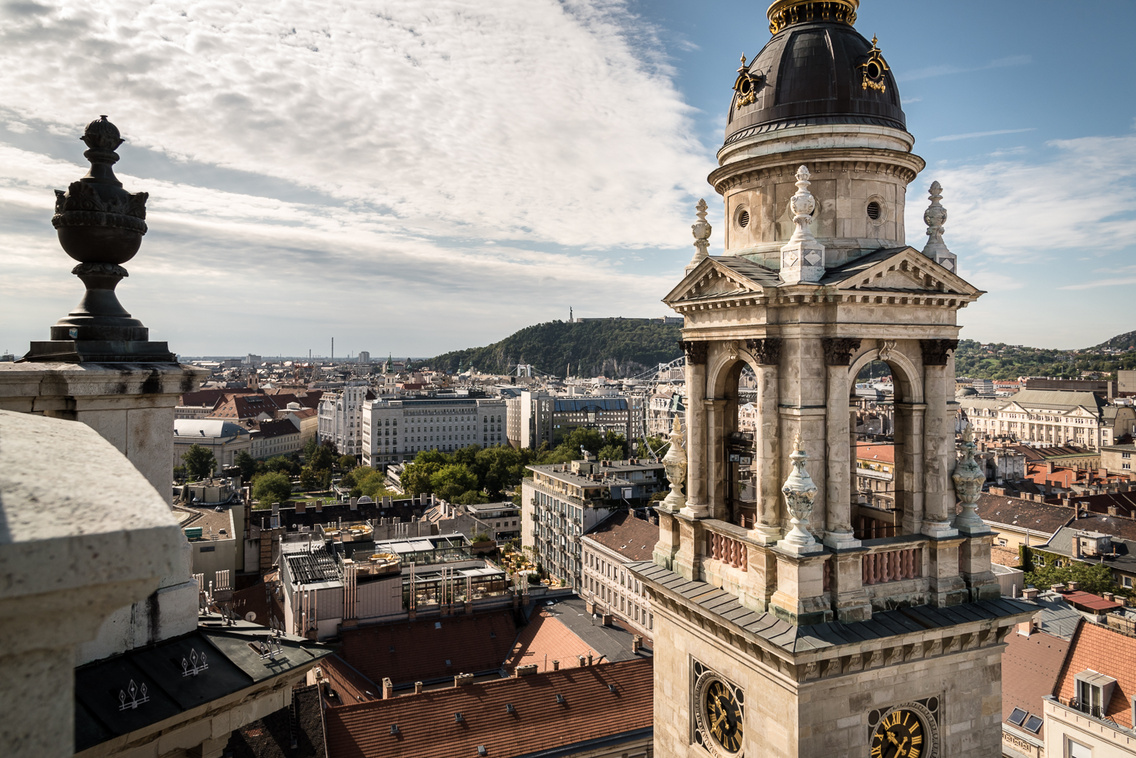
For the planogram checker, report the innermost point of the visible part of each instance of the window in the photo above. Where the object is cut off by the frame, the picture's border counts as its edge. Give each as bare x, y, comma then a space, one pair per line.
1018, 717
1093, 692
1077, 750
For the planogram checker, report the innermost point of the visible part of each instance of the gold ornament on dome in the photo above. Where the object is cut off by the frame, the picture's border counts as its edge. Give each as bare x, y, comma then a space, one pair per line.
873, 70
784, 13
746, 85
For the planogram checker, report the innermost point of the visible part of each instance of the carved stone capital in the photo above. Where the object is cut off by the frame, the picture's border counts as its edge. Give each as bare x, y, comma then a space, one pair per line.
935, 352
696, 352
767, 351
838, 350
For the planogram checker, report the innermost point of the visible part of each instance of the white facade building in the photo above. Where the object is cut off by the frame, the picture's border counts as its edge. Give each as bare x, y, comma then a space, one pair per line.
397, 430
341, 418
1049, 417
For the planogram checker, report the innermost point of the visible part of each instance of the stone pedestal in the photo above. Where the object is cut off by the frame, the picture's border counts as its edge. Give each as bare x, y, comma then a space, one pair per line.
761, 579
667, 546
946, 586
799, 598
850, 600
688, 560
974, 563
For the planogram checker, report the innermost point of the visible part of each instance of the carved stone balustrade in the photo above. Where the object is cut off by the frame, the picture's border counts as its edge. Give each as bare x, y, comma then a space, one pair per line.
728, 550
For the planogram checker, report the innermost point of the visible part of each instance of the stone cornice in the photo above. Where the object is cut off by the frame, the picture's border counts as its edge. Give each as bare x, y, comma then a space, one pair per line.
767, 168
819, 295
838, 660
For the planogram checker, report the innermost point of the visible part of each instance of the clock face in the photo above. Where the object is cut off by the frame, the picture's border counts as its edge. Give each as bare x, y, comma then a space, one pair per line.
723, 716
901, 733
719, 713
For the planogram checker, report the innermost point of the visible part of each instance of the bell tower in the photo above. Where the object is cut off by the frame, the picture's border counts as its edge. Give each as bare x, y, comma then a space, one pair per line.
798, 621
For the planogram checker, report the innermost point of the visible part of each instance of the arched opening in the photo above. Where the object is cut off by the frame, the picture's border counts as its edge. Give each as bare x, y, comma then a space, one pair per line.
872, 424
885, 424
741, 481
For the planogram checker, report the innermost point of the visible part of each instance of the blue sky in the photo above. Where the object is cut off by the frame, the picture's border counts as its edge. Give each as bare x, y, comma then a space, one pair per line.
413, 177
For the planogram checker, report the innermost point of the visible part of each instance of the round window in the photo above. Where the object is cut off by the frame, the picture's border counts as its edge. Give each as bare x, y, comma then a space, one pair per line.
875, 211
743, 219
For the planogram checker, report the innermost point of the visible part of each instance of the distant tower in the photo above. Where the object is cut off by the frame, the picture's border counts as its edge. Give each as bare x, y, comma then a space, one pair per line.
571, 316
332, 349
794, 622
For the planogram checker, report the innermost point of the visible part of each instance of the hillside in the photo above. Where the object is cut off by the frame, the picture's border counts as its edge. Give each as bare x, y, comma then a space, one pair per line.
1001, 361
610, 347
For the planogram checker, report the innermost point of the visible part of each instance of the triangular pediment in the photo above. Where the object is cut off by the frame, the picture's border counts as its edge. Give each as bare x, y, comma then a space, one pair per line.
899, 270
715, 278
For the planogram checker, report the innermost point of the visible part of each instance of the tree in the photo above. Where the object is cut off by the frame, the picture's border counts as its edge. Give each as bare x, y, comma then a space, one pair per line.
1095, 578
452, 480
323, 456
310, 448
309, 479
199, 462
611, 453
281, 465
273, 487
346, 462
247, 464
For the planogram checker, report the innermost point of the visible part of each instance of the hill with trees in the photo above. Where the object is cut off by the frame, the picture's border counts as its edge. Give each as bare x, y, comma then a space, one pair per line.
609, 347
1001, 361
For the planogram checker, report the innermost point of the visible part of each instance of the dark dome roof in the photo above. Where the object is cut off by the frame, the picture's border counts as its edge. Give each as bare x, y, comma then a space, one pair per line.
815, 73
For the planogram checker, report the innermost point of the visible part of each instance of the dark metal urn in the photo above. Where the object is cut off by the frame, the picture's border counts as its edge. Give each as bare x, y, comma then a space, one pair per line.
100, 225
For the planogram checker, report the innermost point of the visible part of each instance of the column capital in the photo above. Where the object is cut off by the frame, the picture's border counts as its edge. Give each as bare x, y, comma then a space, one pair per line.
767, 351
935, 352
696, 352
838, 350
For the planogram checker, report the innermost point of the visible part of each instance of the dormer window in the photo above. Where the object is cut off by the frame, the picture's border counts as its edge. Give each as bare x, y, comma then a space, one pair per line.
1094, 690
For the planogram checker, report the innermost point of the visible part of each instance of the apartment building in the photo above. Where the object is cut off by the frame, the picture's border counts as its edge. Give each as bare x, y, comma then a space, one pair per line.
393, 431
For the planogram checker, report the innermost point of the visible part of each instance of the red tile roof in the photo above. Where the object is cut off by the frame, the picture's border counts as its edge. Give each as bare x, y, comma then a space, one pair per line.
427, 649
881, 453
1086, 601
1108, 652
631, 537
1030, 667
346, 686
544, 640
427, 727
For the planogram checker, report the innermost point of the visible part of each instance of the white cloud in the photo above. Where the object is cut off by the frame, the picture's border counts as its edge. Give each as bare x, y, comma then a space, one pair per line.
977, 135
948, 69
452, 169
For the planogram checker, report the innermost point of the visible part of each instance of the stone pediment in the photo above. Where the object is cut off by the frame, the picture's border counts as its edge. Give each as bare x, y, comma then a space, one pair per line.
902, 269
724, 277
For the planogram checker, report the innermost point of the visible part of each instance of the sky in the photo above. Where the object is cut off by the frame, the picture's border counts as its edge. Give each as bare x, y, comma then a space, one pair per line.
409, 177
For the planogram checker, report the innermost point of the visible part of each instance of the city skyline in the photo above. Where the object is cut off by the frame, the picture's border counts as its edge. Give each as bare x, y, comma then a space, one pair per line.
417, 181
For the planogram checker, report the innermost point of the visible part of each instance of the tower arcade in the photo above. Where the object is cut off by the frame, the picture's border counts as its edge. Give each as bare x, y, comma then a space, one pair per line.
816, 633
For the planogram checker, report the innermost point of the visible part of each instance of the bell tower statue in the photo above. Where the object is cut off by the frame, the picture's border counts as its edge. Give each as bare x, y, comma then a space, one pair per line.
798, 620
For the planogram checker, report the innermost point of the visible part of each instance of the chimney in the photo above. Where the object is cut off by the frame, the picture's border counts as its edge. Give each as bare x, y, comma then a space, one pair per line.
583, 661
555, 665
1072, 586
526, 670
301, 506
606, 619
319, 506
418, 688
463, 680
589, 658
1029, 593
354, 504
1108, 596
1049, 467
636, 643
276, 509
388, 688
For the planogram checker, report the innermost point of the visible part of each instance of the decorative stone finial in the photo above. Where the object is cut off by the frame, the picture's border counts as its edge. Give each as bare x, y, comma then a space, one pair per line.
800, 492
936, 216
802, 258
968, 479
701, 231
674, 463
100, 225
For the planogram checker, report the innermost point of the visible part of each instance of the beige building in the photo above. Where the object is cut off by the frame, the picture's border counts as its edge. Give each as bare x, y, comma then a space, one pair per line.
1050, 417
1118, 459
790, 635
608, 586
222, 438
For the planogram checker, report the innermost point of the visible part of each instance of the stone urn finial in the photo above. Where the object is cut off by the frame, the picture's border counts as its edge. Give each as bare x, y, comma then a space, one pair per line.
800, 491
701, 231
674, 464
802, 257
968, 479
936, 217
100, 225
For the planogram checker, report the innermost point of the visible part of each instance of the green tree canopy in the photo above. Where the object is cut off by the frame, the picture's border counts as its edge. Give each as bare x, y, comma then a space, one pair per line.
247, 464
453, 480
1095, 578
346, 462
273, 487
199, 462
323, 457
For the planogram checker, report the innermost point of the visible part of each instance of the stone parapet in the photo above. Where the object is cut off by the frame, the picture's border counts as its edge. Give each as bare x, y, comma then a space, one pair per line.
84, 534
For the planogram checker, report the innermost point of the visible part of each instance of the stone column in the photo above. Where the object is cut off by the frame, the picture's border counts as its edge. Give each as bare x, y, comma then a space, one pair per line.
909, 464
938, 504
697, 504
767, 530
716, 457
838, 490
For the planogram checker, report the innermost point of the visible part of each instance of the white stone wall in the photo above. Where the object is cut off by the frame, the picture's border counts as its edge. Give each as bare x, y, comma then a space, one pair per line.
613, 589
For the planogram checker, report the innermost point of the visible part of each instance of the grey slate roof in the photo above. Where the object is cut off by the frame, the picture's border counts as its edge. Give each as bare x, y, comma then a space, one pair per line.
232, 666
803, 639
1124, 558
1057, 617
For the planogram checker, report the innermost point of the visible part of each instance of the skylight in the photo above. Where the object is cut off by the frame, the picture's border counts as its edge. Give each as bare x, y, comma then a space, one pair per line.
1017, 717
1033, 724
